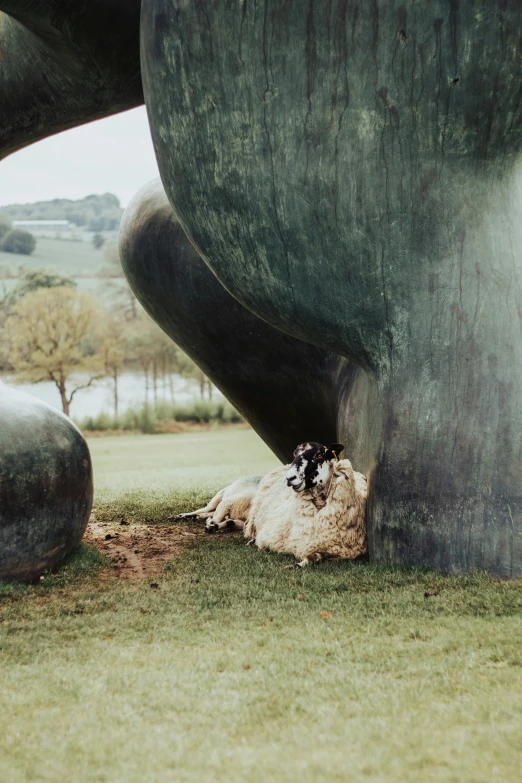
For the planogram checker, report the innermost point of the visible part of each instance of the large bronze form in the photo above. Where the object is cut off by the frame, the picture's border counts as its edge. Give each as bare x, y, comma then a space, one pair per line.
63, 63
45, 486
283, 386
350, 172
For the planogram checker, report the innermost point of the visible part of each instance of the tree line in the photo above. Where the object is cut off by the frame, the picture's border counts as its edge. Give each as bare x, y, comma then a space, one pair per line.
94, 212
12, 240
52, 332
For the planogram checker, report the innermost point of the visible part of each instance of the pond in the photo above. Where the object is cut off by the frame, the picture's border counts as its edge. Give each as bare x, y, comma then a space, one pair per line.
133, 391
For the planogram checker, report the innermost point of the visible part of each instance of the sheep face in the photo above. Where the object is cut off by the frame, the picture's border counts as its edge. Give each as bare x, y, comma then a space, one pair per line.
312, 465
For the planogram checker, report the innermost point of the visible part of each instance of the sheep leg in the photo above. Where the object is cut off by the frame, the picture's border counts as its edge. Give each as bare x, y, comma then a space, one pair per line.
315, 557
250, 531
235, 524
226, 524
205, 512
220, 519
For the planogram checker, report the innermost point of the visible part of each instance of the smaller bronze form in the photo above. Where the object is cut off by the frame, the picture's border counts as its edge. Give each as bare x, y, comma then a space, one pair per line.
46, 486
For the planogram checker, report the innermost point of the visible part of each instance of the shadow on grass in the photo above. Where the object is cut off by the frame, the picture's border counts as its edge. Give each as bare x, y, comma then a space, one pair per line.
84, 563
228, 574
151, 507
136, 507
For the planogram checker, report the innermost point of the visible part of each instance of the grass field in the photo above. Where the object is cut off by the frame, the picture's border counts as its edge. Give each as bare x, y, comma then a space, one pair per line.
161, 463
73, 259
234, 669
78, 260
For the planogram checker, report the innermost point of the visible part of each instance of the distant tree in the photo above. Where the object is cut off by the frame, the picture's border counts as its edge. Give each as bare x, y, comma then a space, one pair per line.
51, 334
4, 309
74, 217
159, 358
112, 350
96, 224
33, 279
5, 225
189, 369
98, 241
168, 359
104, 210
29, 280
110, 200
142, 346
125, 301
16, 241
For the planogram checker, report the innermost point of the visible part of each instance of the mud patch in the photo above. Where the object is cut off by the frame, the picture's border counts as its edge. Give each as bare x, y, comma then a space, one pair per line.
139, 551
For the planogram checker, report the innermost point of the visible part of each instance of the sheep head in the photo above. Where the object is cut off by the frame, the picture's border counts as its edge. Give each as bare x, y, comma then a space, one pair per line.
311, 466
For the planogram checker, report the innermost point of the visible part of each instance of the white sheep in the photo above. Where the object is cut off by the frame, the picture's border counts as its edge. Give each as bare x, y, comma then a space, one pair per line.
229, 508
313, 509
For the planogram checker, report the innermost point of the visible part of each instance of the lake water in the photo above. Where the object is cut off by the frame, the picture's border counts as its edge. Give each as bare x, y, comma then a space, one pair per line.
132, 392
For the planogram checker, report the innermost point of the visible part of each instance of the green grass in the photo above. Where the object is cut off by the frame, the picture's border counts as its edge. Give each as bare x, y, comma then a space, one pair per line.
158, 464
73, 259
78, 260
236, 669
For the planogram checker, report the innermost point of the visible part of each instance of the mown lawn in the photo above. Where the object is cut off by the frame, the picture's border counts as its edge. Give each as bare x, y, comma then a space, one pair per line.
235, 669
72, 259
78, 260
161, 464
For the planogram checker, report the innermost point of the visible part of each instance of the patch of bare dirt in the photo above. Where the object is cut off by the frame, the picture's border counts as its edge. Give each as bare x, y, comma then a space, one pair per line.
138, 551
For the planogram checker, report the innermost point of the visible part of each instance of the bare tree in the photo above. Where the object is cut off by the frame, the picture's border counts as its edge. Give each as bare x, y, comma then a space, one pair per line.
53, 333
112, 349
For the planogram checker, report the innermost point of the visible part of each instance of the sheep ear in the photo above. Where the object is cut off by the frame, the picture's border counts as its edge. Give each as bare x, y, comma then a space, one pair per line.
334, 451
300, 449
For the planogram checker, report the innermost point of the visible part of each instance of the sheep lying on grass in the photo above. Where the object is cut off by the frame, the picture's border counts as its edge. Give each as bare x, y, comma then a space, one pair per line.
313, 509
229, 508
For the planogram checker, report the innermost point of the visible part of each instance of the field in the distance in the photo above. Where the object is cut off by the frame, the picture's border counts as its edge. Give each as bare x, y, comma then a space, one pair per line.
159, 464
78, 260
71, 259
235, 669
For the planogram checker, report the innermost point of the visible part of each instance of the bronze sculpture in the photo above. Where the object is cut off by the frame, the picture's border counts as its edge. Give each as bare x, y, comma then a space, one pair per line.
350, 173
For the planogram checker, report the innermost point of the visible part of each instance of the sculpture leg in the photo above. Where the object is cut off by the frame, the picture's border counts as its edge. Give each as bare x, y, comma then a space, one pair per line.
351, 174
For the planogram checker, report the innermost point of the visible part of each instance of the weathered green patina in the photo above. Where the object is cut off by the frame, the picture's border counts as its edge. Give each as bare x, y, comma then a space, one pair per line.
62, 63
285, 388
65, 62
45, 486
351, 172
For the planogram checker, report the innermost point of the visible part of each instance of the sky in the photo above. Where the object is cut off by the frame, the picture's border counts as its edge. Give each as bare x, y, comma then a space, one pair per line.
114, 155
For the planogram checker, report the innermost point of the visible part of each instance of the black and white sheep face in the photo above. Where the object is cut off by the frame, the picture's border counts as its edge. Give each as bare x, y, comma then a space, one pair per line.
311, 466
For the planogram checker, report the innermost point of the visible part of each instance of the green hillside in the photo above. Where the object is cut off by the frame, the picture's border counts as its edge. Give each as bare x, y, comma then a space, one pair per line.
93, 213
74, 259
78, 260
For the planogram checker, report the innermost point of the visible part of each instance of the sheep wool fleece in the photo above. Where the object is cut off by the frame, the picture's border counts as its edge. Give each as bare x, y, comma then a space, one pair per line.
289, 522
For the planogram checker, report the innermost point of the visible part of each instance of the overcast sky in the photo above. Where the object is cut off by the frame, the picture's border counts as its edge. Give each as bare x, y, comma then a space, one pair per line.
114, 155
